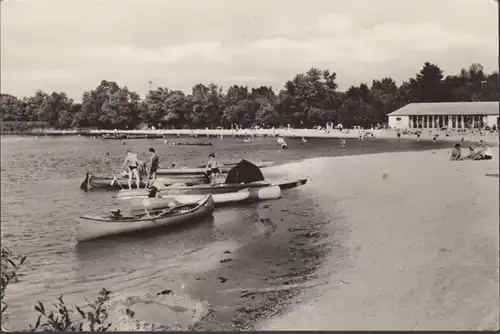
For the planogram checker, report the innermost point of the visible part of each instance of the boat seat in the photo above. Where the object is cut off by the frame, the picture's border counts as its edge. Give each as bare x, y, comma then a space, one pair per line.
116, 213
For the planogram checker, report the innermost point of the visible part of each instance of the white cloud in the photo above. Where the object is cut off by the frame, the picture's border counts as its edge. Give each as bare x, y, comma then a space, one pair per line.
178, 44
203, 52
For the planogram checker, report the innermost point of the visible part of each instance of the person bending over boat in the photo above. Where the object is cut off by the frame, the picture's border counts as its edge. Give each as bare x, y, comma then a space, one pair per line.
133, 168
154, 163
213, 169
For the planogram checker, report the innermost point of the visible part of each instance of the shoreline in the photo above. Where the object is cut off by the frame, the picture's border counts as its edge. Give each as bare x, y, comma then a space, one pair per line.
347, 188
414, 254
297, 310
426, 134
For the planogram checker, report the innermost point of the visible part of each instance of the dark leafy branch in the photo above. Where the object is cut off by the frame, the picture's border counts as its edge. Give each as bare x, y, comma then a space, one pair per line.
310, 98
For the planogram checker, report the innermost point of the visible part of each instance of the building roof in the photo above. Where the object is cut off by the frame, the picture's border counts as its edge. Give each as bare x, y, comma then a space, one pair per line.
448, 108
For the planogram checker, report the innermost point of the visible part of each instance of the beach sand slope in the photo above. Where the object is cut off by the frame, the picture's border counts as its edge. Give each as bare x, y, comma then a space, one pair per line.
421, 250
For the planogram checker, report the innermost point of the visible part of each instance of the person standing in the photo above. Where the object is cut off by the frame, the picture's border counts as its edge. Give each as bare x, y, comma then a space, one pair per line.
212, 169
154, 164
133, 168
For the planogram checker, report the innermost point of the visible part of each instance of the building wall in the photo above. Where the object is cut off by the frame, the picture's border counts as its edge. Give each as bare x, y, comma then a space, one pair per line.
492, 120
399, 122
448, 121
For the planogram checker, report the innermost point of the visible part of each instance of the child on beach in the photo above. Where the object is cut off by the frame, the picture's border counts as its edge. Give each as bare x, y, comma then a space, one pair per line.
456, 153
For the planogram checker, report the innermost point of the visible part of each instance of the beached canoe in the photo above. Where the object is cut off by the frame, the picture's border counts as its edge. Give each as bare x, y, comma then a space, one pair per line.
242, 196
116, 183
153, 215
224, 188
201, 169
184, 189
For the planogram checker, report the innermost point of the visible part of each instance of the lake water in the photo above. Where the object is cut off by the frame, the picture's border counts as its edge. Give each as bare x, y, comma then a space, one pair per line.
238, 261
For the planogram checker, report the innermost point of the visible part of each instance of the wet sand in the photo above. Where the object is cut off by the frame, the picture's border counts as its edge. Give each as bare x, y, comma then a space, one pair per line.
421, 247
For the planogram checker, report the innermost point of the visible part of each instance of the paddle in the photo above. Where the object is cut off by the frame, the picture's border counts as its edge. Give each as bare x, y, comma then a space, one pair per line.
115, 180
147, 203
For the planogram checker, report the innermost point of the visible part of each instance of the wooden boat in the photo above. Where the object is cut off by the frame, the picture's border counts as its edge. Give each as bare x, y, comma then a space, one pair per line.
184, 189
224, 188
153, 215
201, 169
241, 196
118, 182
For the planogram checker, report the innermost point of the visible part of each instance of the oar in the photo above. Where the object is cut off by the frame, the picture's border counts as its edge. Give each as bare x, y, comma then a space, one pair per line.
115, 179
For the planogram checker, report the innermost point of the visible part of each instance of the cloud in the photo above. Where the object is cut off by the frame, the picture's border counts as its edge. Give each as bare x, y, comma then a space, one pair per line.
202, 52
179, 43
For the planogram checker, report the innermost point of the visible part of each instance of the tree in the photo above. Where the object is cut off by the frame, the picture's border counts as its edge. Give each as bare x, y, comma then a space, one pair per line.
310, 98
427, 86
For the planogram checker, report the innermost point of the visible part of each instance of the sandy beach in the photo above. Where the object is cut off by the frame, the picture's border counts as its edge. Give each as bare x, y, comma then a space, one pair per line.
420, 247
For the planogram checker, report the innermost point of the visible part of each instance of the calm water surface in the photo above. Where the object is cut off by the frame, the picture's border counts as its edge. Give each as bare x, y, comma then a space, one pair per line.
269, 244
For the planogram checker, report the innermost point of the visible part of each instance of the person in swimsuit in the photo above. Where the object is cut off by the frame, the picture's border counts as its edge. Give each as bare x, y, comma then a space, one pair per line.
213, 169
488, 152
133, 171
154, 163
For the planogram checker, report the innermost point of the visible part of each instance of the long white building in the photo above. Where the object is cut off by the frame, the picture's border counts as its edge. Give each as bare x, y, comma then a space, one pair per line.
451, 115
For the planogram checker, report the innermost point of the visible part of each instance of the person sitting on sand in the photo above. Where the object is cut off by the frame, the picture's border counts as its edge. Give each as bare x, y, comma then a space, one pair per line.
471, 150
133, 165
456, 153
488, 152
213, 169
481, 152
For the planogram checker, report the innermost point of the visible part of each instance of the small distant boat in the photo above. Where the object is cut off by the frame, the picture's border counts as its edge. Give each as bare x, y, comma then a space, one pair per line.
200, 170
152, 216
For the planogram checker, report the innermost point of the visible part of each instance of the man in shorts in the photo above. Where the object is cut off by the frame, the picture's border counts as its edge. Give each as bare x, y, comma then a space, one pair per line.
133, 168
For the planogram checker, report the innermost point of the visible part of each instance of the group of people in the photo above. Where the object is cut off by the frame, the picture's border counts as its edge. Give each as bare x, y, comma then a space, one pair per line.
136, 167
481, 152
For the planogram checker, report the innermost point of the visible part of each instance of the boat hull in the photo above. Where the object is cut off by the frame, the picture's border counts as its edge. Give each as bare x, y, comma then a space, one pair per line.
201, 189
103, 182
204, 189
95, 227
292, 184
201, 170
242, 196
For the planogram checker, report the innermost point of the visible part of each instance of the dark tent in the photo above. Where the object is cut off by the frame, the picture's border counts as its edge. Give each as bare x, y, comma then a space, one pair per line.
244, 172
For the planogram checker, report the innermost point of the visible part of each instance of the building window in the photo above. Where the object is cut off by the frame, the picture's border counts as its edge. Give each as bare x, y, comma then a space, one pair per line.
398, 119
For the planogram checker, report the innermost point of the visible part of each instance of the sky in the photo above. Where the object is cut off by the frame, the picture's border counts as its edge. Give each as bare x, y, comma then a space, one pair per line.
71, 45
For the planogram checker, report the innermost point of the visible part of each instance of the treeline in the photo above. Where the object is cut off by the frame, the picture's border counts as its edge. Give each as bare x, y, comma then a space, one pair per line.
309, 99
